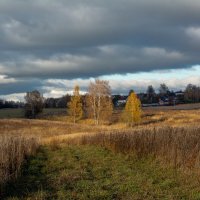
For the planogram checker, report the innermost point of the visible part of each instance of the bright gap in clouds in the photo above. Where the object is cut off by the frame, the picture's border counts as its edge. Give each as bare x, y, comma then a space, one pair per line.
120, 84
176, 79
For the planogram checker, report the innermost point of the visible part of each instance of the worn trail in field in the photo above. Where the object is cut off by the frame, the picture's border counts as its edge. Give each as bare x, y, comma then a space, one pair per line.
87, 172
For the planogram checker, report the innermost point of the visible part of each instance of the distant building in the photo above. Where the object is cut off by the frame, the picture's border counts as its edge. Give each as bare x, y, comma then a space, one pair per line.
164, 101
121, 102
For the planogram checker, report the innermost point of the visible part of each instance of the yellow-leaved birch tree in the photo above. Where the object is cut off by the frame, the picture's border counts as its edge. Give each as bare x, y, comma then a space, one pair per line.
75, 107
132, 112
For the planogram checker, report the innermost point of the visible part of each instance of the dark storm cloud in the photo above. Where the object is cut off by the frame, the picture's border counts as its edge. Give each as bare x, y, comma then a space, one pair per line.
108, 59
20, 86
80, 39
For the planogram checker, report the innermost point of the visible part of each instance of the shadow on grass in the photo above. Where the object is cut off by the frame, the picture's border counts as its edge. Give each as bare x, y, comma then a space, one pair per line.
32, 179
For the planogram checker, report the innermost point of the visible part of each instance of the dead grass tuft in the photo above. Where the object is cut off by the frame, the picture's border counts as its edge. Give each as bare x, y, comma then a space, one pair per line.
13, 151
176, 146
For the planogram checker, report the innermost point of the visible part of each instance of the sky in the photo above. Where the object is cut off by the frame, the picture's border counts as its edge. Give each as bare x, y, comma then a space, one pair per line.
53, 45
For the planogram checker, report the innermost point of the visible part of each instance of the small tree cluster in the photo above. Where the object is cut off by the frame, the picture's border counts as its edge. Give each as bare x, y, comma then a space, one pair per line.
97, 103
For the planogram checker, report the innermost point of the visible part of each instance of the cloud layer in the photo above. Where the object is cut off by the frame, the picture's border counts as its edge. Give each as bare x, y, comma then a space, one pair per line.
44, 39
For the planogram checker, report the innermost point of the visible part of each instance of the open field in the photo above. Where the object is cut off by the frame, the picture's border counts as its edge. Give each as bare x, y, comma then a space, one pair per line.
171, 117
192, 106
157, 159
9, 113
59, 112
59, 126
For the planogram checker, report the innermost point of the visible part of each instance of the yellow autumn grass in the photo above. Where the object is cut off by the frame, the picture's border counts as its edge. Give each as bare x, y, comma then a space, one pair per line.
17, 136
13, 150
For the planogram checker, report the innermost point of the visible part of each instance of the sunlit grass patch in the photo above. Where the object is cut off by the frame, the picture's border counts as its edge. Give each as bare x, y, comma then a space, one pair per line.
89, 172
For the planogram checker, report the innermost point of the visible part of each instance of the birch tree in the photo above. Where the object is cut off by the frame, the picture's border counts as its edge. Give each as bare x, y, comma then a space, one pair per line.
132, 112
98, 101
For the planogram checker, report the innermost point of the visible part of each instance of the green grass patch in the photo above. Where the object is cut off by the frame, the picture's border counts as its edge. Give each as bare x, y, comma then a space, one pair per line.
8, 113
88, 172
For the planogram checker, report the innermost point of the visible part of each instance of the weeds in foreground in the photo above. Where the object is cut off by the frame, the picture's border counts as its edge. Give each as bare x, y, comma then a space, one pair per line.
90, 172
13, 151
179, 147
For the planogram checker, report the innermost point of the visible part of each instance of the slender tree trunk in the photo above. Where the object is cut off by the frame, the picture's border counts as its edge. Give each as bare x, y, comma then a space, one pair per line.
98, 109
74, 119
94, 109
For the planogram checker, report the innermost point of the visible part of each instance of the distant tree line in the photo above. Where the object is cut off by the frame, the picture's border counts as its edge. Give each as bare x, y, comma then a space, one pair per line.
57, 102
191, 94
11, 104
98, 102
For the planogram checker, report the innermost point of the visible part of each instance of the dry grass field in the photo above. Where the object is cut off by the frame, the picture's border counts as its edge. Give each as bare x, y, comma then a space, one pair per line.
178, 147
61, 126
168, 136
13, 150
171, 117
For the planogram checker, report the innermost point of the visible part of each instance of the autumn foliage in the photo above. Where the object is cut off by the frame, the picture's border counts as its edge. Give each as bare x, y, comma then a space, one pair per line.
98, 101
75, 105
132, 112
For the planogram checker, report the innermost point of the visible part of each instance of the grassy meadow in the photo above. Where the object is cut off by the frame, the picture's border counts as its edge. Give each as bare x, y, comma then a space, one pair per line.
10, 113
52, 158
90, 172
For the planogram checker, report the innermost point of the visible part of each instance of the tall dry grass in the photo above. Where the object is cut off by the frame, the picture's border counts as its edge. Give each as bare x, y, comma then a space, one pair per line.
176, 146
13, 150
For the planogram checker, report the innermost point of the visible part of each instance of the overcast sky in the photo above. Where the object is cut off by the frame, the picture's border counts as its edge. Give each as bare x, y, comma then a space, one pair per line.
52, 45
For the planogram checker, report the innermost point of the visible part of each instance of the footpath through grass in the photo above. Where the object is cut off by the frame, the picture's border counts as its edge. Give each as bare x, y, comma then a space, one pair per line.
89, 172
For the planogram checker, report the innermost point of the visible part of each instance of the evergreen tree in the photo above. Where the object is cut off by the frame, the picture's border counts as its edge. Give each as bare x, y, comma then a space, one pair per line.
75, 105
132, 112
